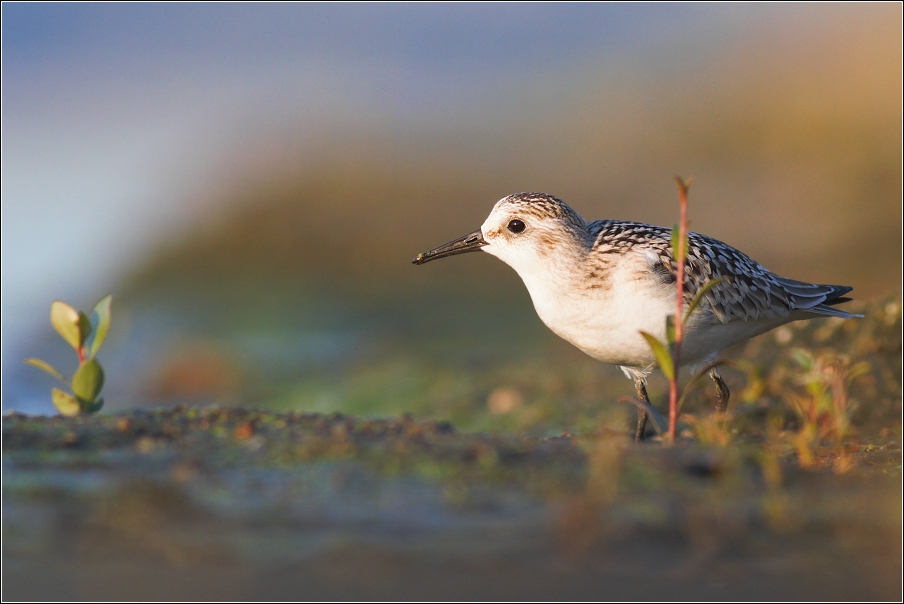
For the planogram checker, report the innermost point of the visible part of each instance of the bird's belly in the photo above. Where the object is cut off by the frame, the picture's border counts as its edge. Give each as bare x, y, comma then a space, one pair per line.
607, 326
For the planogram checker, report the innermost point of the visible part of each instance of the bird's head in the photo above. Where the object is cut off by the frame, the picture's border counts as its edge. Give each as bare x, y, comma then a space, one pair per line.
522, 230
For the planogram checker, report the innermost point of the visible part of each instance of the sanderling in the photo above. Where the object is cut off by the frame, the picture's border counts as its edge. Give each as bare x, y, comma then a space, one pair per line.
599, 284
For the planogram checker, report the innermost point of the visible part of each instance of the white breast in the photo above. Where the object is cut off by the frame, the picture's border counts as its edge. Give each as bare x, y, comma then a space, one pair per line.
606, 322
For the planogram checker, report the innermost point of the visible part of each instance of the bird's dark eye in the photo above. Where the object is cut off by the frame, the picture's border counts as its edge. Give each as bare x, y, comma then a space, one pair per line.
516, 226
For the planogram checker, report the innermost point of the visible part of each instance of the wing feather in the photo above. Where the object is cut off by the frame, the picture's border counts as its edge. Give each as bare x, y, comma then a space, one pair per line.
750, 291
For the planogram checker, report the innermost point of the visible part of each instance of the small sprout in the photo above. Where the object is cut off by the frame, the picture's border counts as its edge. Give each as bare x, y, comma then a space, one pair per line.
85, 335
663, 356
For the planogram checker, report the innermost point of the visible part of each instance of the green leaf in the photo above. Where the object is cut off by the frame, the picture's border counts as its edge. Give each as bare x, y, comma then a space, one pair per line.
698, 298
675, 237
663, 357
45, 366
100, 318
88, 380
65, 320
670, 330
675, 233
92, 407
65, 403
84, 328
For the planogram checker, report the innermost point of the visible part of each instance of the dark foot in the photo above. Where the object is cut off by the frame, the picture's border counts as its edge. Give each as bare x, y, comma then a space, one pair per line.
641, 389
722, 392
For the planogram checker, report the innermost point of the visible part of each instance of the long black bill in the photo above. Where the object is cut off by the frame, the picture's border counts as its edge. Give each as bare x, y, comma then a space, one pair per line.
469, 243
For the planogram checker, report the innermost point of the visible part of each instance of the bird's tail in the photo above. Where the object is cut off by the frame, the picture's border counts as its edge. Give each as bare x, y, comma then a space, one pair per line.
819, 299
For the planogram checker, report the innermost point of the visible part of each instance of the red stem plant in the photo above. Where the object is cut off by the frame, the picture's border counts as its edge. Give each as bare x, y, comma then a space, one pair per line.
678, 322
668, 355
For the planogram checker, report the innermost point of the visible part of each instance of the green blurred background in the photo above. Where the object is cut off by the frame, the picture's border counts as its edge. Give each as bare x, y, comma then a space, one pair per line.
251, 184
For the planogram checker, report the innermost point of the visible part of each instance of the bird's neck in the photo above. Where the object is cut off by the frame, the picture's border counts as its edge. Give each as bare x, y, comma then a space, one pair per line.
550, 277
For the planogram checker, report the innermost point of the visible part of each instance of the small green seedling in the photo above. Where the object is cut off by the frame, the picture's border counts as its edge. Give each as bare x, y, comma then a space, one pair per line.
86, 335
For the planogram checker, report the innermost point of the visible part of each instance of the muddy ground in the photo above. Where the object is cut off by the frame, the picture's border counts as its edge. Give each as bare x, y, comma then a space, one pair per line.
227, 503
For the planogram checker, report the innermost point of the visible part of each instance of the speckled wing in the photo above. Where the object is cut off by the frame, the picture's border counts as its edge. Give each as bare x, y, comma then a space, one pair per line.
749, 293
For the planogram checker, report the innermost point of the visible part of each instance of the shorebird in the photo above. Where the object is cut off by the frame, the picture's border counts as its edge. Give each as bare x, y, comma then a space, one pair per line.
599, 284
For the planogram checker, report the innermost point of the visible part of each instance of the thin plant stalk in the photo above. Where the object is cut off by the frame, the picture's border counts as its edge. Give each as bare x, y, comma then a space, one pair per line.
679, 305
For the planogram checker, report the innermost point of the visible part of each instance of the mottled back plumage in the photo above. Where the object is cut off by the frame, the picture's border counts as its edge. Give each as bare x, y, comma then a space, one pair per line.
749, 291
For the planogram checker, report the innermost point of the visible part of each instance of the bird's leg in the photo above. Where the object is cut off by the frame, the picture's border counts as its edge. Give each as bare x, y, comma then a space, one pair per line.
722, 392
641, 388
